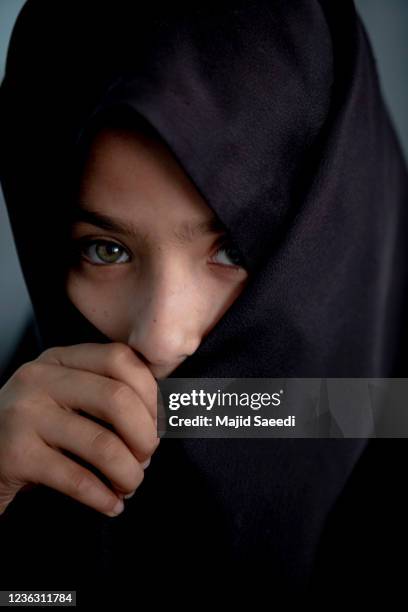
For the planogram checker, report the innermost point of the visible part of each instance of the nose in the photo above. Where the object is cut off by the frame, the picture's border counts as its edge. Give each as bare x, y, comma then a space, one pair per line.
166, 323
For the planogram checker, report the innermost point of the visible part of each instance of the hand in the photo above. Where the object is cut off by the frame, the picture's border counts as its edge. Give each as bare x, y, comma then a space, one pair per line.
44, 411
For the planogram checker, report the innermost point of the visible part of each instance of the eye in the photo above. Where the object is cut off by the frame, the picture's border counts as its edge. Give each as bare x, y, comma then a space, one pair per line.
105, 250
232, 254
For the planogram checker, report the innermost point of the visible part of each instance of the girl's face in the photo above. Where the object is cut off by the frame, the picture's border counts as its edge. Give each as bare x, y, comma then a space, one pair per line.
152, 267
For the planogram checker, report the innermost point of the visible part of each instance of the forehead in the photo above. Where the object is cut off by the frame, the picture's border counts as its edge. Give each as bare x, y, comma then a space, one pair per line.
132, 178
130, 166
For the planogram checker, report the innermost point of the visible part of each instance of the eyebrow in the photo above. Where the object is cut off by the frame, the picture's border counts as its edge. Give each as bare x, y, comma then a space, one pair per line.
185, 232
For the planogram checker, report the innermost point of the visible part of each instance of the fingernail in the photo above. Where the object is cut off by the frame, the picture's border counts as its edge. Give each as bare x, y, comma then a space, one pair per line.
117, 509
146, 464
129, 495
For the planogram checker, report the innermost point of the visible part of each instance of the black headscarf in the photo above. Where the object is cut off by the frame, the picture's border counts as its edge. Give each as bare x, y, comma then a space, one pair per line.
275, 112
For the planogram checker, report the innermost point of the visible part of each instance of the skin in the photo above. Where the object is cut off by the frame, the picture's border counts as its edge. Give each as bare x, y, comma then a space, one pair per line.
156, 297
160, 296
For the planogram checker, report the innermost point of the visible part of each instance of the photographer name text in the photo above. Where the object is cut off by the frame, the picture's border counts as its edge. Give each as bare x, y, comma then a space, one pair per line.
230, 422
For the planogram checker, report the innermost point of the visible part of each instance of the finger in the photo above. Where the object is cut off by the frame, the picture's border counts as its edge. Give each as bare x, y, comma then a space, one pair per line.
107, 399
55, 470
96, 444
115, 360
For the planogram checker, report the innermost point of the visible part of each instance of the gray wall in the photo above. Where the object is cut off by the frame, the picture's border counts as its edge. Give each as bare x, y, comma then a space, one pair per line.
14, 301
387, 25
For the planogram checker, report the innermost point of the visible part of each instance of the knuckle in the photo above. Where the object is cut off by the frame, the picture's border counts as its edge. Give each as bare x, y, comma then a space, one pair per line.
132, 475
29, 372
148, 447
80, 481
49, 354
120, 353
106, 446
119, 393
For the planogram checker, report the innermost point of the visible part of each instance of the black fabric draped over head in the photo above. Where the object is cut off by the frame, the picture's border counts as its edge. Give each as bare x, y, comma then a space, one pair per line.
274, 111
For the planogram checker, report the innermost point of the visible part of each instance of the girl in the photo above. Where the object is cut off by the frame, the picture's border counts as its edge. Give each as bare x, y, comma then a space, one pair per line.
262, 124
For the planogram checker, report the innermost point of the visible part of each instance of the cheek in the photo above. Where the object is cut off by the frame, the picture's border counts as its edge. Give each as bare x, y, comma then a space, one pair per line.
111, 304
104, 308
218, 297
